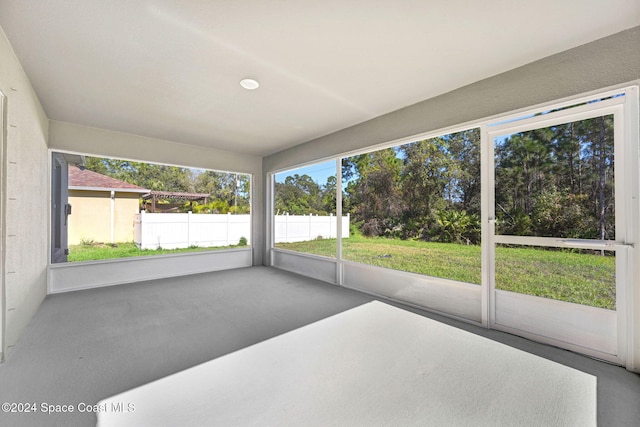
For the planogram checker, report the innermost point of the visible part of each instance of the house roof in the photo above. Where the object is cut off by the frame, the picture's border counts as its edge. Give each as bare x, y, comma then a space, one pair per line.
89, 180
175, 195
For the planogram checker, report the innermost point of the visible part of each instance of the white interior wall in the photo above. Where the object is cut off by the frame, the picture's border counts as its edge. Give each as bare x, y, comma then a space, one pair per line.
608, 62
25, 171
81, 139
25, 175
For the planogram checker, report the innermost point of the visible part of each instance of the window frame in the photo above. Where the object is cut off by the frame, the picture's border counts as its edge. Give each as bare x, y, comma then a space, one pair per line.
71, 276
504, 121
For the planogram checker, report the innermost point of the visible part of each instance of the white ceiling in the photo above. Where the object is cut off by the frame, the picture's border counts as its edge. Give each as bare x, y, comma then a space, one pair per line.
171, 69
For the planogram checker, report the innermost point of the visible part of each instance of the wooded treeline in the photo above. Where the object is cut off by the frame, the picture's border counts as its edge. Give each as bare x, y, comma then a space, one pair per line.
229, 192
301, 195
558, 181
551, 182
428, 189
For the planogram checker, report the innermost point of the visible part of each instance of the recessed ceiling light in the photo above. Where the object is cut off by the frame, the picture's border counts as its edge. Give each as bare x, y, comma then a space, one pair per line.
249, 84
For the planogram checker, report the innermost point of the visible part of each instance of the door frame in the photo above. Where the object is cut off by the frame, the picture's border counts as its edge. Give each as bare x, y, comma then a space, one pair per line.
613, 329
59, 203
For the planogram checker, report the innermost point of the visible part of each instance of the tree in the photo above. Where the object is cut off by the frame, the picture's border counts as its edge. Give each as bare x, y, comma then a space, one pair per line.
145, 175
401, 191
557, 181
464, 148
329, 195
229, 192
96, 164
375, 196
230, 188
427, 174
298, 195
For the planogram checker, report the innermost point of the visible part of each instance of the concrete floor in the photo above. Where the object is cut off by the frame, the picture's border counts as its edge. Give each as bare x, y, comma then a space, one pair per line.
82, 347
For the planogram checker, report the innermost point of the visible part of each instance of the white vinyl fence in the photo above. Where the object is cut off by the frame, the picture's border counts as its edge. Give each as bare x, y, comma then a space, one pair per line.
183, 230
301, 228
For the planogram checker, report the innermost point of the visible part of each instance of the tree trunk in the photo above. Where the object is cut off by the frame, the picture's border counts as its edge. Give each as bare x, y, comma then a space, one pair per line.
601, 177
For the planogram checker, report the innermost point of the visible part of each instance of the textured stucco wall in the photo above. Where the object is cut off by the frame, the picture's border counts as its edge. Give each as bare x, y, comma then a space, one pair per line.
26, 200
91, 216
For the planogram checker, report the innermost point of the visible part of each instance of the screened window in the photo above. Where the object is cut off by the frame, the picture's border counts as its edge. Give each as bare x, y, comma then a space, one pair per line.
305, 210
416, 207
120, 208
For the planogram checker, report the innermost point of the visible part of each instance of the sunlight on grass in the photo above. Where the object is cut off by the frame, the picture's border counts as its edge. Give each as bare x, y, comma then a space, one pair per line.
94, 252
322, 247
445, 260
580, 278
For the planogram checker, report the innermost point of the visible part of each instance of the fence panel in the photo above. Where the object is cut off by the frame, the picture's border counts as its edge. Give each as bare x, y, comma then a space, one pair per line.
301, 228
183, 230
173, 230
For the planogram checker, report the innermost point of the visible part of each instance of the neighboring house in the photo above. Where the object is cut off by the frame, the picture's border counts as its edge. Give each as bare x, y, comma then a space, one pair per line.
103, 208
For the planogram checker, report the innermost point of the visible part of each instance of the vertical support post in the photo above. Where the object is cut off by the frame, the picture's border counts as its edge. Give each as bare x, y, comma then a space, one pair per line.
270, 223
631, 317
228, 218
487, 227
286, 227
331, 228
142, 231
339, 276
189, 229
113, 216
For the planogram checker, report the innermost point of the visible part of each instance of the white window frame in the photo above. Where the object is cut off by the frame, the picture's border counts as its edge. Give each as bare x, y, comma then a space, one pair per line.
72, 276
628, 125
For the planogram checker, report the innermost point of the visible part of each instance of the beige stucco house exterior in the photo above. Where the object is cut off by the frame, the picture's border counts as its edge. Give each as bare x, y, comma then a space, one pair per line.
103, 208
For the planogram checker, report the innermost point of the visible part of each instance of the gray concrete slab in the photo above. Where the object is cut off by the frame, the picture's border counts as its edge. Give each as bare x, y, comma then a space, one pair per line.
85, 346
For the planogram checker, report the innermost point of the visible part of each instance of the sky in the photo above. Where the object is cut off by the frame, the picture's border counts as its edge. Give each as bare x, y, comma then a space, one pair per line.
319, 172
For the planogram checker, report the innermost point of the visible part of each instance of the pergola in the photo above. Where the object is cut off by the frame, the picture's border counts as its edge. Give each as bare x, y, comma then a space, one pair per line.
171, 195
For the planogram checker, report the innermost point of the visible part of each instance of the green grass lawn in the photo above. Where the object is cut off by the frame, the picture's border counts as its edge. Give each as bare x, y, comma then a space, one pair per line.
563, 275
94, 252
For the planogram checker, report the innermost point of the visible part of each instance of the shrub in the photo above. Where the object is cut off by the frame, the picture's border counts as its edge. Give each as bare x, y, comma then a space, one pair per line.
243, 241
86, 242
355, 228
458, 226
